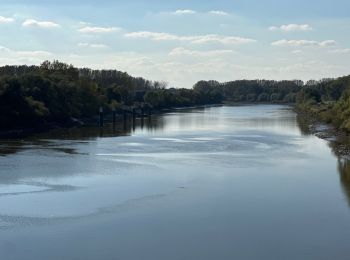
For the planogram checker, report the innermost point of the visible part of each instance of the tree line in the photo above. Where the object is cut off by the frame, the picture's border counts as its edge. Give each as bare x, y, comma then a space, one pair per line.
55, 92
58, 92
252, 90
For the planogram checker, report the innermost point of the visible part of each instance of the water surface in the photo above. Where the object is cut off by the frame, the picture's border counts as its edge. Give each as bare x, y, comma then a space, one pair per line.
239, 182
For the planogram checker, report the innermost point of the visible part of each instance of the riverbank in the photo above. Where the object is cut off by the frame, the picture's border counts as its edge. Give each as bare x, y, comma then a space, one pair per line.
83, 122
338, 139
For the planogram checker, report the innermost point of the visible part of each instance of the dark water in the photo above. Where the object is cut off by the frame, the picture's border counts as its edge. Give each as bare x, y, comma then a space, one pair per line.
242, 182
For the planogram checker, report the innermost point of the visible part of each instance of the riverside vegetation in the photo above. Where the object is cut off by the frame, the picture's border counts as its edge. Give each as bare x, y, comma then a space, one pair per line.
56, 92
327, 100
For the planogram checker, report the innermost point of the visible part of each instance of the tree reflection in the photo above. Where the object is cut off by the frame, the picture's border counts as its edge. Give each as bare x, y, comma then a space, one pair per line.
42, 140
339, 145
304, 123
344, 173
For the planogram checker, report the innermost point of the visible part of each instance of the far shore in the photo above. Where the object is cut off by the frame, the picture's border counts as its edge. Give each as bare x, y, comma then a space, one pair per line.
81, 122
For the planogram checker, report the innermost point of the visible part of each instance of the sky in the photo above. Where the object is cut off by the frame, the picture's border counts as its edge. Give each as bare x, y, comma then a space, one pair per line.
182, 42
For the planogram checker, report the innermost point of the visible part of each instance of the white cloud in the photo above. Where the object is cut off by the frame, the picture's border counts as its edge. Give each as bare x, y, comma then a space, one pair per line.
180, 51
292, 28
15, 57
328, 43
82, 23
94, 29
40, 24
341, 51
21, 54
156, 36
2, 48
273, 28
6, 19
192, 12
93, 45
302, 43
196, 39
212, 38
184, 12
218, 12
34, 53
297, 51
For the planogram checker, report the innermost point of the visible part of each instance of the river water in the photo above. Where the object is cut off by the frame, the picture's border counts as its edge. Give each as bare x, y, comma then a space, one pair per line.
230, 182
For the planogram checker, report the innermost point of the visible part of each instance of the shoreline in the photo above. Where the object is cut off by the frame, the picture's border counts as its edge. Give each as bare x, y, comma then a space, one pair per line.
338, 140
18, 133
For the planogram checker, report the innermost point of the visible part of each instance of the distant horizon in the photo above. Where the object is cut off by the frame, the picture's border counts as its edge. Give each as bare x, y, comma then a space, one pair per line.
184, 41
169, 86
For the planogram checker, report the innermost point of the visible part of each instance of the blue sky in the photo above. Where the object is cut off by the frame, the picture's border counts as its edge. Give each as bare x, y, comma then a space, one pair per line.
182, 42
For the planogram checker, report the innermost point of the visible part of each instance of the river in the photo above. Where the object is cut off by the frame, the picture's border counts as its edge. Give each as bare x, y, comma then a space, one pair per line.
227, 182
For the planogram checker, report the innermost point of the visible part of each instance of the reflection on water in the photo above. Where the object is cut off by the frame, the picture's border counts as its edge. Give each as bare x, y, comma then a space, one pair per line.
244, 182
336, 145
41, 141
304, 124
344, 173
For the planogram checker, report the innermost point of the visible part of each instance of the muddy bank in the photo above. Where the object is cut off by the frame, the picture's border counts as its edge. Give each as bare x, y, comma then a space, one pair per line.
338, 140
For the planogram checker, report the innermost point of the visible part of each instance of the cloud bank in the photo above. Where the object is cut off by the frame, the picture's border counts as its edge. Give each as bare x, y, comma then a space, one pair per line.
40, 24
195, 39
292, 28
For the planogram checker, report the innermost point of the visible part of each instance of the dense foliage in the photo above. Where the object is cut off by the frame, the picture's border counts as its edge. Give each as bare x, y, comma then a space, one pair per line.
57, 92
252, 90
328, 100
